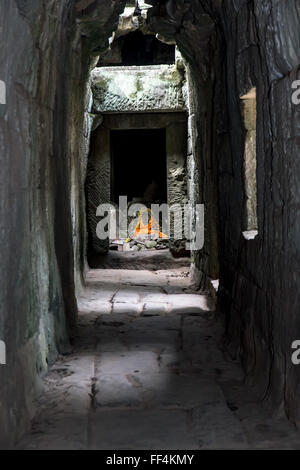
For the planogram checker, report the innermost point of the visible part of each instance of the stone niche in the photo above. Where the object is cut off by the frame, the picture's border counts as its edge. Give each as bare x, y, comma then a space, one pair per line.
248, 105
100, 175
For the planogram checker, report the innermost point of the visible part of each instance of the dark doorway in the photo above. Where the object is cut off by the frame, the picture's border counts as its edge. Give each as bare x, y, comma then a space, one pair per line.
138, 49
139, 165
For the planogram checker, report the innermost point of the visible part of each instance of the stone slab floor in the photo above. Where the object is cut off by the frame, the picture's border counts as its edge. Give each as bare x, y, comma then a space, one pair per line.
148, 371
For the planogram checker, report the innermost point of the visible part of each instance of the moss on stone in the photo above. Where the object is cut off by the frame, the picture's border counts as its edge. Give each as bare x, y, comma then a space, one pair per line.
139, 84
174, 77
139, 88
103, 82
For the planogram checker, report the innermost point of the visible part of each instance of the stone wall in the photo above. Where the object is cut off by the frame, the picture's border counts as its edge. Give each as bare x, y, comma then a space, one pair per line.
260, 278
98, 181
248, 103
98, 185
233, 46
44, 59
193, 29
155, 88
136, 89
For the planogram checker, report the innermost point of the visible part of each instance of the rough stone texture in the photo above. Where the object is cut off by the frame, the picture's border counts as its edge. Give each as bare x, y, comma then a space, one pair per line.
143, 89
177, 182
131, 89
98, 181
150, 260
98, 187
233, 46
193, 28
248, 103
44, 63
260, 277
132, 19
162, 382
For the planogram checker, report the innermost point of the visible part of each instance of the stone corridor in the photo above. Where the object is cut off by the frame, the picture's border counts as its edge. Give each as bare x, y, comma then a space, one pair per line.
180, 331
147, 371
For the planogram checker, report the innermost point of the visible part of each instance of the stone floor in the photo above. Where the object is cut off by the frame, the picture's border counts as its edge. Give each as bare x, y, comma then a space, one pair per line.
147, 371
151, 260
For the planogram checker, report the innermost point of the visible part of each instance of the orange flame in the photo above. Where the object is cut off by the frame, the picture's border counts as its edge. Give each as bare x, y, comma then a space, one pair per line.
151, 228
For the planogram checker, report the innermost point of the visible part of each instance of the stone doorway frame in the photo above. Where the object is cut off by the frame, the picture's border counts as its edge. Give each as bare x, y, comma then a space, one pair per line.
98, 181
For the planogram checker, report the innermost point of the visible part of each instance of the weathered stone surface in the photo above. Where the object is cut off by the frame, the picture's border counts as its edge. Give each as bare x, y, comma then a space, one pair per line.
99, 170
146, 429
259, 278
44, 63
132, 89
231, 46
148, 395
259, 281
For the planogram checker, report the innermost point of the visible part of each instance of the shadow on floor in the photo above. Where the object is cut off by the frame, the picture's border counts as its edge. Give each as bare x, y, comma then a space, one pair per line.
150, 378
